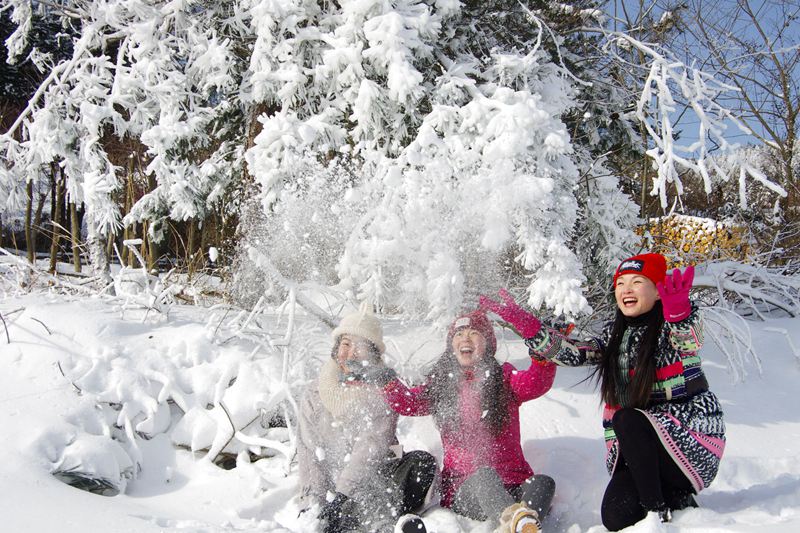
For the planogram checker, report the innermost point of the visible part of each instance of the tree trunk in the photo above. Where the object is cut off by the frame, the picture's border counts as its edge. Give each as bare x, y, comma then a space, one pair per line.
150, 248
153, 254
96, 244
37, 220
110, 240
191, 243
130, 231
75, 236
57, 202
206, 233
143, 248
148, 242
28, 222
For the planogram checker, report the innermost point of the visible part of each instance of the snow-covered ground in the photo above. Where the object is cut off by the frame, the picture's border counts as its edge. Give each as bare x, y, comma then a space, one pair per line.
130, 361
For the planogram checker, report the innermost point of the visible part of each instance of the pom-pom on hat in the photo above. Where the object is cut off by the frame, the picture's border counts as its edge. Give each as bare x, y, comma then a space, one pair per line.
651, 266
364, 324
478, 321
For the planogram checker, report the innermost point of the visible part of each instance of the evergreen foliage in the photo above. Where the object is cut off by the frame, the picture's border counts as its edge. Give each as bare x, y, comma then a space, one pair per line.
412, 153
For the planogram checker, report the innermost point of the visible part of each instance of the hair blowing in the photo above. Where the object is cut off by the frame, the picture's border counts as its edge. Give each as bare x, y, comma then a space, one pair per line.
608, 371
443, 392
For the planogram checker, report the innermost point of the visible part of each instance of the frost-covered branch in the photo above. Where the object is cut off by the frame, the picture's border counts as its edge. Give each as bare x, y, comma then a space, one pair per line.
755, 289
57, 76
795, 350
666, 84
55, 280
306, 303
5, 326
732, 335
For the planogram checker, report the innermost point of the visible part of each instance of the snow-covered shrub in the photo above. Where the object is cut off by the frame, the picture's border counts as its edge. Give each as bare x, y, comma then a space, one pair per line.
89, 451
223, 389
95, 463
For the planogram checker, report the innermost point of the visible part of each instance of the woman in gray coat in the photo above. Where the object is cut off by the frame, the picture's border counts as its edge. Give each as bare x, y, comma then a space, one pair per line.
351, 463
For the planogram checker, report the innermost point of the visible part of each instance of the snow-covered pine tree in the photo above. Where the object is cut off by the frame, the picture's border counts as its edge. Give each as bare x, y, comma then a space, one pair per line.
463, 156
472, 160
456, 116
163, 73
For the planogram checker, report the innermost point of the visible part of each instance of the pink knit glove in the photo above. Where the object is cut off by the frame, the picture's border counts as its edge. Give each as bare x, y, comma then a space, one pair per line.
526, 324
674, 293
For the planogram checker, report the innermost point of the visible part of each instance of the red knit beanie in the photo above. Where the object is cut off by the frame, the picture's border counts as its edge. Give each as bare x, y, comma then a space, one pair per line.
651, 266
478, 321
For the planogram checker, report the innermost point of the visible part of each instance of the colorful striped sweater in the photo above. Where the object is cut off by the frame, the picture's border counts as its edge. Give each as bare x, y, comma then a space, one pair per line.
686, 415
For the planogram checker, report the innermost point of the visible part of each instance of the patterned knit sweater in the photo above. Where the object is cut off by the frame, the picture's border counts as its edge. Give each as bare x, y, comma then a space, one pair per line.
685, 414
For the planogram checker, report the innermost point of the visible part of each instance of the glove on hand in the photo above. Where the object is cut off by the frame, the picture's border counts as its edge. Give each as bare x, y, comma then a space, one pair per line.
674, 293
373, 372
339, 514
526, 324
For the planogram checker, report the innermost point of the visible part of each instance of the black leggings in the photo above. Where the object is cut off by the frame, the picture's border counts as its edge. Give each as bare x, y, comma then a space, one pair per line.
646, 477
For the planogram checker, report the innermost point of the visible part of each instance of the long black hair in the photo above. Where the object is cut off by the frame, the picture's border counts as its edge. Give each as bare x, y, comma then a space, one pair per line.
608, 371
443, 392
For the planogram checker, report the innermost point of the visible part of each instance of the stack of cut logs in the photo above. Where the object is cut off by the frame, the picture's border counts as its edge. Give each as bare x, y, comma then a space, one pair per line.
692, 240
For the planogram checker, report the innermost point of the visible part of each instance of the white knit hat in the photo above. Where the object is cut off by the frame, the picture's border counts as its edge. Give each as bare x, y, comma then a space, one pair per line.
364, 324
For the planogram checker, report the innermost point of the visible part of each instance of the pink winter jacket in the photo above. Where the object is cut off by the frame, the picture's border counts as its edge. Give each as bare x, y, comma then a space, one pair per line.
473, 446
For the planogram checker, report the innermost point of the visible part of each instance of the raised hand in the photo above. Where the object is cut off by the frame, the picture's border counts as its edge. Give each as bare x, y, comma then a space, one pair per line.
374, 372
526, 324
674, 293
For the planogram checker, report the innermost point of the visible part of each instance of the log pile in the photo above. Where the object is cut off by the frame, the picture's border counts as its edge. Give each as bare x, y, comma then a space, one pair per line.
687, 240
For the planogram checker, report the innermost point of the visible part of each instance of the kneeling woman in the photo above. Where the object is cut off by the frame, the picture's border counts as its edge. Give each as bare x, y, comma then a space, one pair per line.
475, 404
664, 428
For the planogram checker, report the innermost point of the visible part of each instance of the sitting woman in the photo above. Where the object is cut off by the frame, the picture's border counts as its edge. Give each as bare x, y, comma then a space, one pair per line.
475, 404
664, 428
347, 444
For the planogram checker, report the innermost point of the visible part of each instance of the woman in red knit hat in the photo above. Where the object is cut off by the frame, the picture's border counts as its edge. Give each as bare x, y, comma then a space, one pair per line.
664, 428
475, 404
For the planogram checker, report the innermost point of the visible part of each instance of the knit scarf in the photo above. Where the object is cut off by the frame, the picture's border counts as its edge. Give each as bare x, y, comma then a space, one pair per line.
341, 398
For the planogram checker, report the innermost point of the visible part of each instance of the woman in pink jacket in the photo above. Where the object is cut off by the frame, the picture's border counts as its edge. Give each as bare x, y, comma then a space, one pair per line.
475, 404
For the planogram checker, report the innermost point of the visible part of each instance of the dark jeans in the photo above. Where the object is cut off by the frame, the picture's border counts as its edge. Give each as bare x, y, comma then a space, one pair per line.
646, 477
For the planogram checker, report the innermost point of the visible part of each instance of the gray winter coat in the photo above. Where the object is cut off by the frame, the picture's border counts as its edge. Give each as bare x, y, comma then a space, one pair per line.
346, 436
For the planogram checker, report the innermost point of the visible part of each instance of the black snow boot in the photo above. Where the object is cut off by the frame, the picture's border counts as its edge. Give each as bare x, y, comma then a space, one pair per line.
681, 500
664, 514
410, 523
537, 493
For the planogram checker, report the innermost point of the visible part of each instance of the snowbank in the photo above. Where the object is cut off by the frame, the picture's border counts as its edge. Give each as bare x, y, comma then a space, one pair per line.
84, 385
